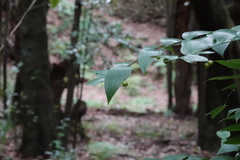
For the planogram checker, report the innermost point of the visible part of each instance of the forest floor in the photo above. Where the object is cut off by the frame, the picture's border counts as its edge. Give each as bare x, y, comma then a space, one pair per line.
137, 124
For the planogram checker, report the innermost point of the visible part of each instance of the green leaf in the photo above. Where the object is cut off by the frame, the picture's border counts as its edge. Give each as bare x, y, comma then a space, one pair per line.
223, 134
54, 3
236, 28
193, 58
231, 87
196, 158
230, 117
144, 58
233, 127
197, 45
216, 111
233, 140
231, 111
114, 78
224, 35
100, 77
169, 57
220, 48
169, 41
190, 47
225, 148
222, 158
193, 34
170, 49
237, 156
233, 63
225, 77
175, 157
151, 159
237, 115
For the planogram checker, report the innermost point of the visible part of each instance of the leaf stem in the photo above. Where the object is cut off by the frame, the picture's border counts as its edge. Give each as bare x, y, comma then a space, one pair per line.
132, 63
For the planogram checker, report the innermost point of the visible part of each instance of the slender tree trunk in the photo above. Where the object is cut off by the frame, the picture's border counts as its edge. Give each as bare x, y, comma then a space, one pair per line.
176, 26
170, 16
72, 67
35, 105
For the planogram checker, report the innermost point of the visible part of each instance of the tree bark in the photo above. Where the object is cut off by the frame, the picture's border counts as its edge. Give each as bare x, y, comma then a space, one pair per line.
176, 27
35, 104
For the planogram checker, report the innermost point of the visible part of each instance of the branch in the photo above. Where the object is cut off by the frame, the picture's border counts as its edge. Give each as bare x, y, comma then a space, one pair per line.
19, 23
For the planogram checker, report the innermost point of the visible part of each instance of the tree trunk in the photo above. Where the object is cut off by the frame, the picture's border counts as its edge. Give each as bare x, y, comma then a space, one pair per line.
170, 16
213, 15
72, 67
181, 14
35, 105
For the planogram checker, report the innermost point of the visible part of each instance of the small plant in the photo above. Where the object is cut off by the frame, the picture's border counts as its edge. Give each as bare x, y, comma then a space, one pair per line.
60, 153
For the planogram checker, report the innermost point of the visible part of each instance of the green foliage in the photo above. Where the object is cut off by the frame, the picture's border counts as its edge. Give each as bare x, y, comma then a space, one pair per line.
193, 45
60, 153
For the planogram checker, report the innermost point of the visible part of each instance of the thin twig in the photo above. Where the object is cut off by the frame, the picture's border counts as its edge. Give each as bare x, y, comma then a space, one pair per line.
19, 23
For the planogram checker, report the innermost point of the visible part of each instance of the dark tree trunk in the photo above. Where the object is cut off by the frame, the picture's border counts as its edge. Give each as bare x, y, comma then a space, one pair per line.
213, 15
176, 27
35, 104
170, 16
73, 68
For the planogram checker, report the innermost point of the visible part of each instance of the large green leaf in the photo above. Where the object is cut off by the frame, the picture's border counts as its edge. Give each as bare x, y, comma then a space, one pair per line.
222, 158
114, 78
225, 77
225, 148
145, 58
193, 34
233, 140
223, 134
216, 111
54, 3
175, 157
224, 35
232, 63
193, 58
197, 45
220, 48
100, 77
169, 41
233, 127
